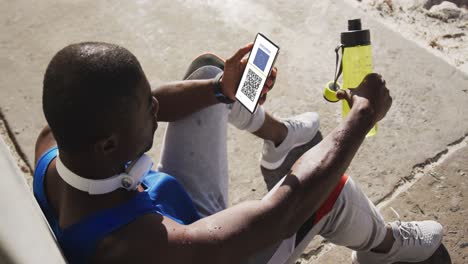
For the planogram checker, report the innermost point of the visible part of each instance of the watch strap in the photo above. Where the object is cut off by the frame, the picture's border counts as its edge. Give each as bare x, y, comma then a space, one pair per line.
218, 91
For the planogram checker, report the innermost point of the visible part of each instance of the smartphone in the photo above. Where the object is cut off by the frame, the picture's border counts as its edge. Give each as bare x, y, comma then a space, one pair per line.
259, 65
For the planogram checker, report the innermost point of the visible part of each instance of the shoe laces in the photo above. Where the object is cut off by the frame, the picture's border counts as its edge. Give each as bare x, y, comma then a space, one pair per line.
295, 124
409, 231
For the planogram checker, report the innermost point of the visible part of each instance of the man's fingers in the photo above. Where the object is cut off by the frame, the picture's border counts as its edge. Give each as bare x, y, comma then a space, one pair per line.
243, 64
343, 94
262, 99
269, 82
274, 72
340, 95
242, 52
244, 61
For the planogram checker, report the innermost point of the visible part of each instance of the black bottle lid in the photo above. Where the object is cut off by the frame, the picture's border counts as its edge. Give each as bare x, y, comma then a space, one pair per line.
355, 36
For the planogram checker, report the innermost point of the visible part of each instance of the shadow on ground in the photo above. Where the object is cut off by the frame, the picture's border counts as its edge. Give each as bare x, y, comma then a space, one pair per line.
441, 256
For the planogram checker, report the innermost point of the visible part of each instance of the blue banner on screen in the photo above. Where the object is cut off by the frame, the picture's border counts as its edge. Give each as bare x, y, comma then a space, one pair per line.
261, 59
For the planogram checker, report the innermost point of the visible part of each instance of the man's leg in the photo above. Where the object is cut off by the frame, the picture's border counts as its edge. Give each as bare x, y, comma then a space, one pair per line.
195, 152
206, 59
348, 218
280, 135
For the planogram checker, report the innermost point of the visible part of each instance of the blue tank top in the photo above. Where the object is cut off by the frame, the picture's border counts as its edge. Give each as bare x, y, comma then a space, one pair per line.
164, 195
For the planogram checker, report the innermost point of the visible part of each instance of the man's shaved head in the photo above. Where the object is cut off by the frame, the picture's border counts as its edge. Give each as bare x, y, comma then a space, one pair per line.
89, 89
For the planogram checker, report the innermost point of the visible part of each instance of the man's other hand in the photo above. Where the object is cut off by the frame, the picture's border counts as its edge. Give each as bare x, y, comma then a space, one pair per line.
233, 69
372, 93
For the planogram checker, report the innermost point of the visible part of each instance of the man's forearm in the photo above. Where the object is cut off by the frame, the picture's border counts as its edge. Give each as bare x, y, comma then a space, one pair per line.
179, 99
318, 171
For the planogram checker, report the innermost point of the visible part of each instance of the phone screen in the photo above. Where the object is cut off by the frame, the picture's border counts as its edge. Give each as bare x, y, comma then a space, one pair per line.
259, 65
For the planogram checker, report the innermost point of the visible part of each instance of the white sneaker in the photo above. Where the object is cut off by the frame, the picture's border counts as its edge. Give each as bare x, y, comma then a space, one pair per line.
414, 242
301, 129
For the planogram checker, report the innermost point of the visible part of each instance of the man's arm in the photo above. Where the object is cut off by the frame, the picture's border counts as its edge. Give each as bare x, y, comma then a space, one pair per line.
235, 233
179, 99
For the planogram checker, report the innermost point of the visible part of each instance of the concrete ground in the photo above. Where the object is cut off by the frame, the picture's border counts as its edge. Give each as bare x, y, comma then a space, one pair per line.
427, 116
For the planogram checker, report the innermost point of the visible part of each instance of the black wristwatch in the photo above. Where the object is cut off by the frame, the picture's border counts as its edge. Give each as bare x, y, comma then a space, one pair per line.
217, 90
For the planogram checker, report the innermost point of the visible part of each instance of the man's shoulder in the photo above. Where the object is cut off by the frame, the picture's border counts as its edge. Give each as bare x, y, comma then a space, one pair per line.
44, 142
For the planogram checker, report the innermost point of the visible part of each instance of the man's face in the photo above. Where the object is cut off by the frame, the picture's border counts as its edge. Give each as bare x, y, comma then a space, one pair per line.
137, 136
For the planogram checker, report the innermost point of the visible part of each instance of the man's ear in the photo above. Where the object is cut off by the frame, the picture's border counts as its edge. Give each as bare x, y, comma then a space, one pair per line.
107, 145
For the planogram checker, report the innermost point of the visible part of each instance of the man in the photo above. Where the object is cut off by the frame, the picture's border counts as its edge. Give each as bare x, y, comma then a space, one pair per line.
102, 115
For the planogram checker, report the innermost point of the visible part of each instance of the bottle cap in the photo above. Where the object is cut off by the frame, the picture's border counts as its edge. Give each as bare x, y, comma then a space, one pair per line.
355, 36
354, 24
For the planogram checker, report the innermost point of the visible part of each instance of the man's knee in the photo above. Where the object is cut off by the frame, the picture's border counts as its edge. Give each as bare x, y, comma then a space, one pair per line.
354, 221
208, 58
328, 205
204, 72
205, 59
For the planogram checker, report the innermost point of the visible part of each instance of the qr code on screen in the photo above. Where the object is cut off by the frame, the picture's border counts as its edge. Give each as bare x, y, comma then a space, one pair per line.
251, 84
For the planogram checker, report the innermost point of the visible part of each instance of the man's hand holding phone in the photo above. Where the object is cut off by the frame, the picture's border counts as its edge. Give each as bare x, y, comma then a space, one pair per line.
234, 68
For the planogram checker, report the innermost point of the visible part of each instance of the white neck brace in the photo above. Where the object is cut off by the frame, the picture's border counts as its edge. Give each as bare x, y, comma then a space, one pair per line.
128, 181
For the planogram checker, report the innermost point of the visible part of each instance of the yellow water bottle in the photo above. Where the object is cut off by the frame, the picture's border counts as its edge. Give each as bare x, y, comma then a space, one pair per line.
355, 64
356, 60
